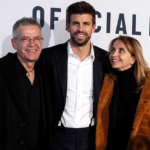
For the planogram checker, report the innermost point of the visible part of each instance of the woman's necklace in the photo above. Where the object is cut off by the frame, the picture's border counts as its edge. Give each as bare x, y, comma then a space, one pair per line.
28, 72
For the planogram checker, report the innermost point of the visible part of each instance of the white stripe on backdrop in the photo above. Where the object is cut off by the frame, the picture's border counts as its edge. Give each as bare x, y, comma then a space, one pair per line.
114, 17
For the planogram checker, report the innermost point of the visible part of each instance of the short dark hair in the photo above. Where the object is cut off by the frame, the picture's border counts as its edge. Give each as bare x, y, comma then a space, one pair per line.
80, 8
24, 22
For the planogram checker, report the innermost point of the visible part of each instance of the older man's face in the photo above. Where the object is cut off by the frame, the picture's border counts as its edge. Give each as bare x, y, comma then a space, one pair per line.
28, 51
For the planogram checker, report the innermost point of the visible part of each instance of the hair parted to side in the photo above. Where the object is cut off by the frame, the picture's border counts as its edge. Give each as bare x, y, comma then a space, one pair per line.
24, 22
81, 7
140, 65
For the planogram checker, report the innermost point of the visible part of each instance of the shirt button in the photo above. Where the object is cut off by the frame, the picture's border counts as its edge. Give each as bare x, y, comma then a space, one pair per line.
22, 142
76, 124
78, 109
23, 124
78, 95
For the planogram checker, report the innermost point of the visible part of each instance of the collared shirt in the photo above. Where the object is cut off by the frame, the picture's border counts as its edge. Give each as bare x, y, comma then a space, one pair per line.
78, 111
32, 106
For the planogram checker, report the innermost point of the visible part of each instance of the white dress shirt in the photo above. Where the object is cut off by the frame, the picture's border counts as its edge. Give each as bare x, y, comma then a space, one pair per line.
78, 111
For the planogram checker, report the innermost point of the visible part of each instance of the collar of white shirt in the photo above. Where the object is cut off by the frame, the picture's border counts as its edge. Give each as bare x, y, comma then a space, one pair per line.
70, 52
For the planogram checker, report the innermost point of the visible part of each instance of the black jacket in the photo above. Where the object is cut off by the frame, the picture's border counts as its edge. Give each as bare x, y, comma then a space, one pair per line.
13, 116
55, 60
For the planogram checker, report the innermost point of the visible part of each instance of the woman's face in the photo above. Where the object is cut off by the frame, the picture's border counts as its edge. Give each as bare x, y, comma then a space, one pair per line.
120, 57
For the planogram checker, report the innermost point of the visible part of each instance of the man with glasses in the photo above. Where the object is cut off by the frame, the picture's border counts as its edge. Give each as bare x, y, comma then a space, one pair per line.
24, 104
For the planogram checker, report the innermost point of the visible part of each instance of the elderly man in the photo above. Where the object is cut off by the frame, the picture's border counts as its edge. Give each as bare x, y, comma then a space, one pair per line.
24, 104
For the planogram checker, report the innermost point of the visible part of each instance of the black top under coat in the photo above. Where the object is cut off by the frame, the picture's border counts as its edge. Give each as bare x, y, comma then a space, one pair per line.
122, 109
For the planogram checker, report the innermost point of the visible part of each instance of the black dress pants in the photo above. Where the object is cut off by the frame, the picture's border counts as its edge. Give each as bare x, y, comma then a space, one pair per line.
73, 138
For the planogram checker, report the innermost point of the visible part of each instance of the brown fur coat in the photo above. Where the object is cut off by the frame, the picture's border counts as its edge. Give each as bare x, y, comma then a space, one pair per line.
140, 136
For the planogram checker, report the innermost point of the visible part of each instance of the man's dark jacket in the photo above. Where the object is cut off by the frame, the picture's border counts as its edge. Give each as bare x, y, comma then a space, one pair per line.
55, 60
13, 115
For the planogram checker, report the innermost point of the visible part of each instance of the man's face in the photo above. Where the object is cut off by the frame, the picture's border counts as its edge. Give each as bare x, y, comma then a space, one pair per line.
27, 52
80, 28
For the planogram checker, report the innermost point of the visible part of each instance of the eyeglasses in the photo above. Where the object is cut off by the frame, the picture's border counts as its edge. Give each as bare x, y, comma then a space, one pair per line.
27, 40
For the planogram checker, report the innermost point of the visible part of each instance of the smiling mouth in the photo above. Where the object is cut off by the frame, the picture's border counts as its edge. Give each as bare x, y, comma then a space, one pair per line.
33, 51
115, 60
80, 35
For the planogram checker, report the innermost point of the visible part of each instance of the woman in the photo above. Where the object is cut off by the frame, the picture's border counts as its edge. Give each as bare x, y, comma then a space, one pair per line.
123, 116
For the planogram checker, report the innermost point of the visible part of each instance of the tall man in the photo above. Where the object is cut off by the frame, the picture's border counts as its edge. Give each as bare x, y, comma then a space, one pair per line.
24, 104
75, 71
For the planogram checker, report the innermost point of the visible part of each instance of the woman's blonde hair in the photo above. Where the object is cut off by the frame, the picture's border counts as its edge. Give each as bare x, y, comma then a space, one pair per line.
135, 49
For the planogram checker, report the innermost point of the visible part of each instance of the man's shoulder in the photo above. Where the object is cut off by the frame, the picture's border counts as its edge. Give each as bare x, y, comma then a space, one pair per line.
99, 52
7, 59
96, 48
55, 48
6, 63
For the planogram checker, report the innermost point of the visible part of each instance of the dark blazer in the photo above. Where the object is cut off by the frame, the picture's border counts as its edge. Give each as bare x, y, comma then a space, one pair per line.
13, 115
55, 60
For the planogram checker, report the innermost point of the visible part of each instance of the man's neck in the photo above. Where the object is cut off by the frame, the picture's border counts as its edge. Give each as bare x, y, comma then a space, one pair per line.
29, 66
26, 64
81, 51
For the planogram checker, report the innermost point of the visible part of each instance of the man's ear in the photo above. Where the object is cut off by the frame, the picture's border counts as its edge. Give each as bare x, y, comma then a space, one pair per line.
68, 25
14, 44
93, 28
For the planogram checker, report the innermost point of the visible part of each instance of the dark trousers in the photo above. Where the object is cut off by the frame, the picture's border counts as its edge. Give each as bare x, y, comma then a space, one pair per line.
73, 138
